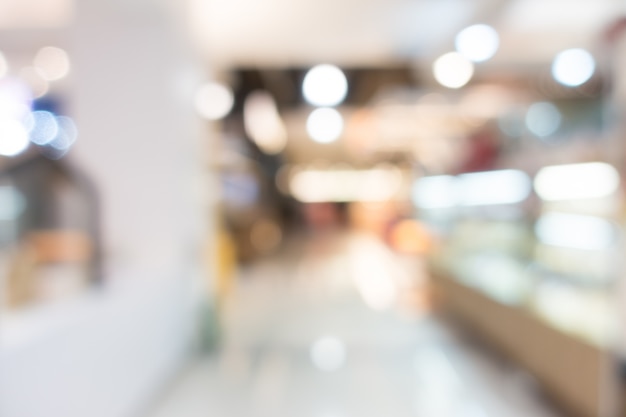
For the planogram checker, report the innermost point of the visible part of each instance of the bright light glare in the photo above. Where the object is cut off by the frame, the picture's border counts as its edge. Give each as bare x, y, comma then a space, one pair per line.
436, 192
324, 125
13, 137
575, 231
325, 85
453, 70
53, 63
45, 127
4, 66
214, 101
341, 186
478, 42
543, 119
263, 122
15, 99
507, 186
577, 181
328, 354
573, 67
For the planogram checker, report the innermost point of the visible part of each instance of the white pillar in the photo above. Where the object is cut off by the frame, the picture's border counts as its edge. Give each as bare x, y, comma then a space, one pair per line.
139, 137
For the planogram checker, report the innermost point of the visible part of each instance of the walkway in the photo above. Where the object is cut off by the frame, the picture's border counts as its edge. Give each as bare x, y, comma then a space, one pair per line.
335, 328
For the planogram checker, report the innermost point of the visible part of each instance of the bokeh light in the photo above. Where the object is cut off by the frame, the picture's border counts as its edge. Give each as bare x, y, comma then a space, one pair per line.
543, 119
478, 42
45, 127
453, 70
325, 85
507, 186
577, 181
53, 63
316, 186
214, 101
328, 354
263, 123
324, 125
13, 137
411, 237
67, 125
436, 192
573, 67
67, 134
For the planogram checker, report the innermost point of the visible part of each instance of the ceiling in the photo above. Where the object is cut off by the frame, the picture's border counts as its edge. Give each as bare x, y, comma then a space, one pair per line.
287, 33
354, 33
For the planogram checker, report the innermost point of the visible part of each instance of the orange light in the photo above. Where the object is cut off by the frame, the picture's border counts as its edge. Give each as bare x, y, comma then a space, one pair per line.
411, 237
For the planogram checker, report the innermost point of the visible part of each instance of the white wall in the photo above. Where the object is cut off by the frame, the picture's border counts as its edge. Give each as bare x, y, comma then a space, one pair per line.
109, 354
139, 137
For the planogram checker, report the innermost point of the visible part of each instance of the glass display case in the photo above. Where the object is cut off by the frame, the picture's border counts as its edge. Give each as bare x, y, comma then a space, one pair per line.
529, 247
553, 253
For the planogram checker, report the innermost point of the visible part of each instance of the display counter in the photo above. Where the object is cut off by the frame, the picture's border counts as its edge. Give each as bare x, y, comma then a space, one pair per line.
576, 373
554, 320
532, 263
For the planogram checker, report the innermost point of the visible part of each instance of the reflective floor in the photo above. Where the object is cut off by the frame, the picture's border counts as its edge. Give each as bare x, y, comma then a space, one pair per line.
338, 327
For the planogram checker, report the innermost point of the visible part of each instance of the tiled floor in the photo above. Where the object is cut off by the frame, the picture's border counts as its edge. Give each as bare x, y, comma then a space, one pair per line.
323, 332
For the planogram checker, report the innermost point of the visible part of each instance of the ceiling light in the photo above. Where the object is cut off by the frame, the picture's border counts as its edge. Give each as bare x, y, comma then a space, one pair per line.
214, 101
478, 42
577, 181
324, 125
325, 85
573, 67
453, 70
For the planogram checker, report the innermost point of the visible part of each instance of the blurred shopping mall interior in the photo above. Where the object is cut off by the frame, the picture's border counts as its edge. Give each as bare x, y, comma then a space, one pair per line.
312, 208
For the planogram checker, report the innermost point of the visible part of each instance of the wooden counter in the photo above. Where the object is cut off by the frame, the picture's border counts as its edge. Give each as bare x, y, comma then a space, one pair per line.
578, 375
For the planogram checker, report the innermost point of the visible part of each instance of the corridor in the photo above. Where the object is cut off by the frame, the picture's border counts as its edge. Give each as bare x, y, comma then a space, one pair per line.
322, 331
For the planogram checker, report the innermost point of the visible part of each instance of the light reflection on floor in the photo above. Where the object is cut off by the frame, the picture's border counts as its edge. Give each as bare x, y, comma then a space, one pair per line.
322, 332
